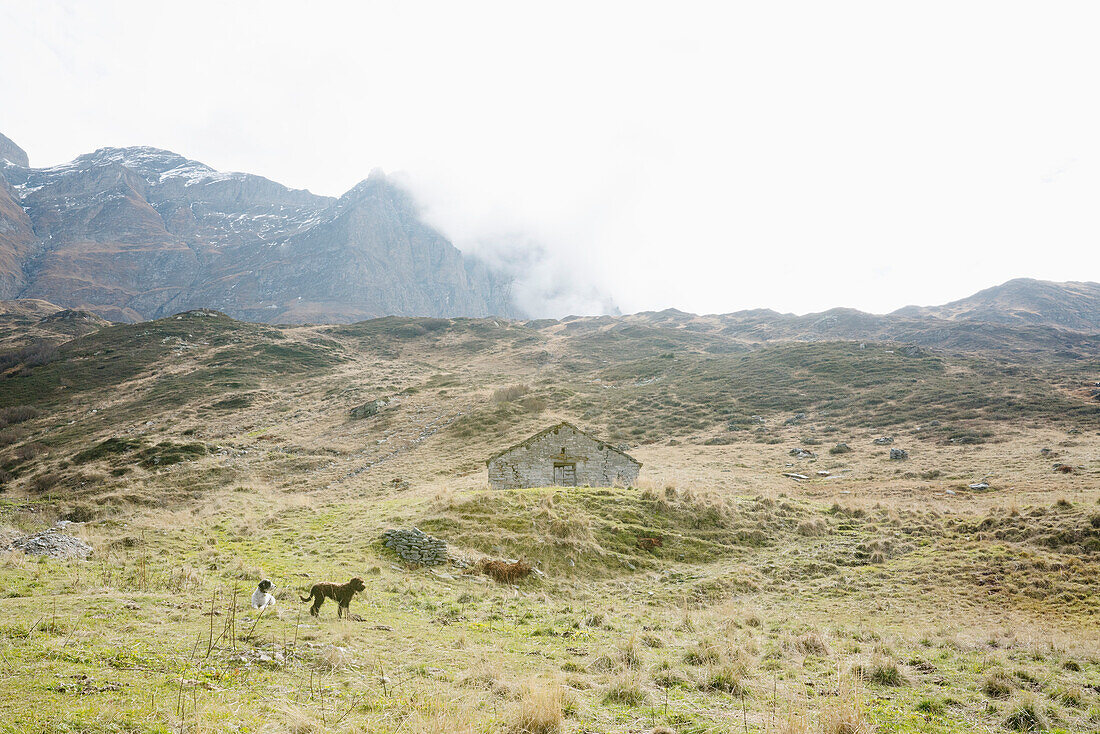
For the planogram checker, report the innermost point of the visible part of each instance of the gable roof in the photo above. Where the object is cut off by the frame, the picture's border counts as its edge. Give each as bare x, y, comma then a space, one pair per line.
555, 427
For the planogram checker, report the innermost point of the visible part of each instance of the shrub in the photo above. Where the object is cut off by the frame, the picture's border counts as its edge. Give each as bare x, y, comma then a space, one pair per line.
540, 709
509, 394
812, 528
8, 436
1071, 696
727, 678
882, 672
997, 685
17, 414
703, 654
31, 450
1026, 715
626, 691
629, 653
845, 716
80, 513
931, 706
810, 643
45, 481
501, 571
111, 447
840, 448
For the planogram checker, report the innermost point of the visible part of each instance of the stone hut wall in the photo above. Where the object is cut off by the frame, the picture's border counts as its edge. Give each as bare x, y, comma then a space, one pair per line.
532, 464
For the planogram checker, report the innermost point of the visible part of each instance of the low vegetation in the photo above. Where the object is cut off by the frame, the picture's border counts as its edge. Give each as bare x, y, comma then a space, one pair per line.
739, 587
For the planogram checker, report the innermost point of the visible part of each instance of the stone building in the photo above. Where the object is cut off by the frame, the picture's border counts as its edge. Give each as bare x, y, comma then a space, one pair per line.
561, 456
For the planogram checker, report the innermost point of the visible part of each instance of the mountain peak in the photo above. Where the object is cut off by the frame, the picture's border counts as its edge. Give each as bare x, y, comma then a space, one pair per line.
11, 153
155, 164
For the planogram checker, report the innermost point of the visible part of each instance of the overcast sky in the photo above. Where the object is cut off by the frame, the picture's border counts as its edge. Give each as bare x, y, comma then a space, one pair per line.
709, 157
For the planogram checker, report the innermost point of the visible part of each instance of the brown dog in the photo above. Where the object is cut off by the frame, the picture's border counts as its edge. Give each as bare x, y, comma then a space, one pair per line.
339, 593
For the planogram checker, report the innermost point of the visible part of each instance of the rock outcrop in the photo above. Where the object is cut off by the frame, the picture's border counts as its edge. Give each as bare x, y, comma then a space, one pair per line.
12, 153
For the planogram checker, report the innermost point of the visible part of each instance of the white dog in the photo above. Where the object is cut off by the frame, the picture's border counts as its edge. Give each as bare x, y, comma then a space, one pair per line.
261, 599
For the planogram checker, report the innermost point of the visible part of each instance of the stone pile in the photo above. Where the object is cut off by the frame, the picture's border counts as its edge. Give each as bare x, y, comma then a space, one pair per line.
52, 543
899, 454
801, 453
416, 546
884, 441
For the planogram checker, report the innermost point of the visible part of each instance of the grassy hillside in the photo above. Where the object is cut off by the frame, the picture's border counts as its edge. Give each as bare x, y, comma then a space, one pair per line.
198, 454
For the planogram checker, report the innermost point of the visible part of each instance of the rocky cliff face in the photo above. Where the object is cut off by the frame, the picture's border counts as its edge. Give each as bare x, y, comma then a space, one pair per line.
12, 153
139, 233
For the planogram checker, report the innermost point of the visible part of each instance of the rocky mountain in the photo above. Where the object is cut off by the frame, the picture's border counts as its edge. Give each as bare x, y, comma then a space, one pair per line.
1024, 301
139, 233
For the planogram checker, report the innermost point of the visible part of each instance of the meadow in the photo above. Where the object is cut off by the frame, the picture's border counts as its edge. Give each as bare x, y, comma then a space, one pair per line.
197, 455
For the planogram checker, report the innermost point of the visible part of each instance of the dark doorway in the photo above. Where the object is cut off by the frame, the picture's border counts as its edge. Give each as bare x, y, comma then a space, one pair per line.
565, 475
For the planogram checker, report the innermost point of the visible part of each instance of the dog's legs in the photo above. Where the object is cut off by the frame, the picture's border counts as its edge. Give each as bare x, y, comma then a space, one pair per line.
316, 608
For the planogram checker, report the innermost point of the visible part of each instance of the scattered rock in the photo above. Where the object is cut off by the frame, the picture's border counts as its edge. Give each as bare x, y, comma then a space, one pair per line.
1046, 452
53, 544
823, 473
796, 477
978, 485
416, 546
840, 448
899, 454
803, 453
884, 441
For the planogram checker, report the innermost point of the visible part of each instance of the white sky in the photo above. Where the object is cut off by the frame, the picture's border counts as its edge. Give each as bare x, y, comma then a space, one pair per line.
711, 157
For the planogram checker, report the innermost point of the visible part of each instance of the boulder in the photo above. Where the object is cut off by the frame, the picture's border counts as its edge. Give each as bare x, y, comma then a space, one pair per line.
884, 441
840, 448
802, 453
899, 454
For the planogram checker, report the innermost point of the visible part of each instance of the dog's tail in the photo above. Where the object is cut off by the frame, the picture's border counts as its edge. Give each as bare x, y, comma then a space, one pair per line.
306, 598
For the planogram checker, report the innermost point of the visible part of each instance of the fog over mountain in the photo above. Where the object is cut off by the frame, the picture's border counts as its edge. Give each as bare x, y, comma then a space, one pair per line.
722, 157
